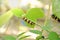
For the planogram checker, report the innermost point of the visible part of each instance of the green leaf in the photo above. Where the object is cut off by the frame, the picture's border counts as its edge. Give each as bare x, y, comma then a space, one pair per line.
38, 37
23, 37
17, 12
36, 32
53, 36
34, 13
21, 34
4, 18
9, 37
56, 7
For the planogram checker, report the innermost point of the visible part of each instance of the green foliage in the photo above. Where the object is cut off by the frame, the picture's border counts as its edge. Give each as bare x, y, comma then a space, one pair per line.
5, 18
9, 37
53, 36
36, 32
17, 12
38, 37
47, 26
21, 36
34, 13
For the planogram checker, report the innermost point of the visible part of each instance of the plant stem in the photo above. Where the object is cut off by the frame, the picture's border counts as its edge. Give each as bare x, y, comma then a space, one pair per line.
48, 14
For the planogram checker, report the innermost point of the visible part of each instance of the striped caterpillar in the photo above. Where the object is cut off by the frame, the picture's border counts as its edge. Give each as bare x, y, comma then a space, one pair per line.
55, 17
28, 21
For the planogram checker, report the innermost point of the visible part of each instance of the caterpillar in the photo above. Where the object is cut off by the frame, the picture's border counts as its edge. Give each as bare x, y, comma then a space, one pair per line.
56, 18
28, 21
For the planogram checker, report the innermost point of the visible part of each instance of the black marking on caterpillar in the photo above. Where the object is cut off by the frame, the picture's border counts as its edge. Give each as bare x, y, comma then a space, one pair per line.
43, 37
28, 21
58, 19
55, 17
